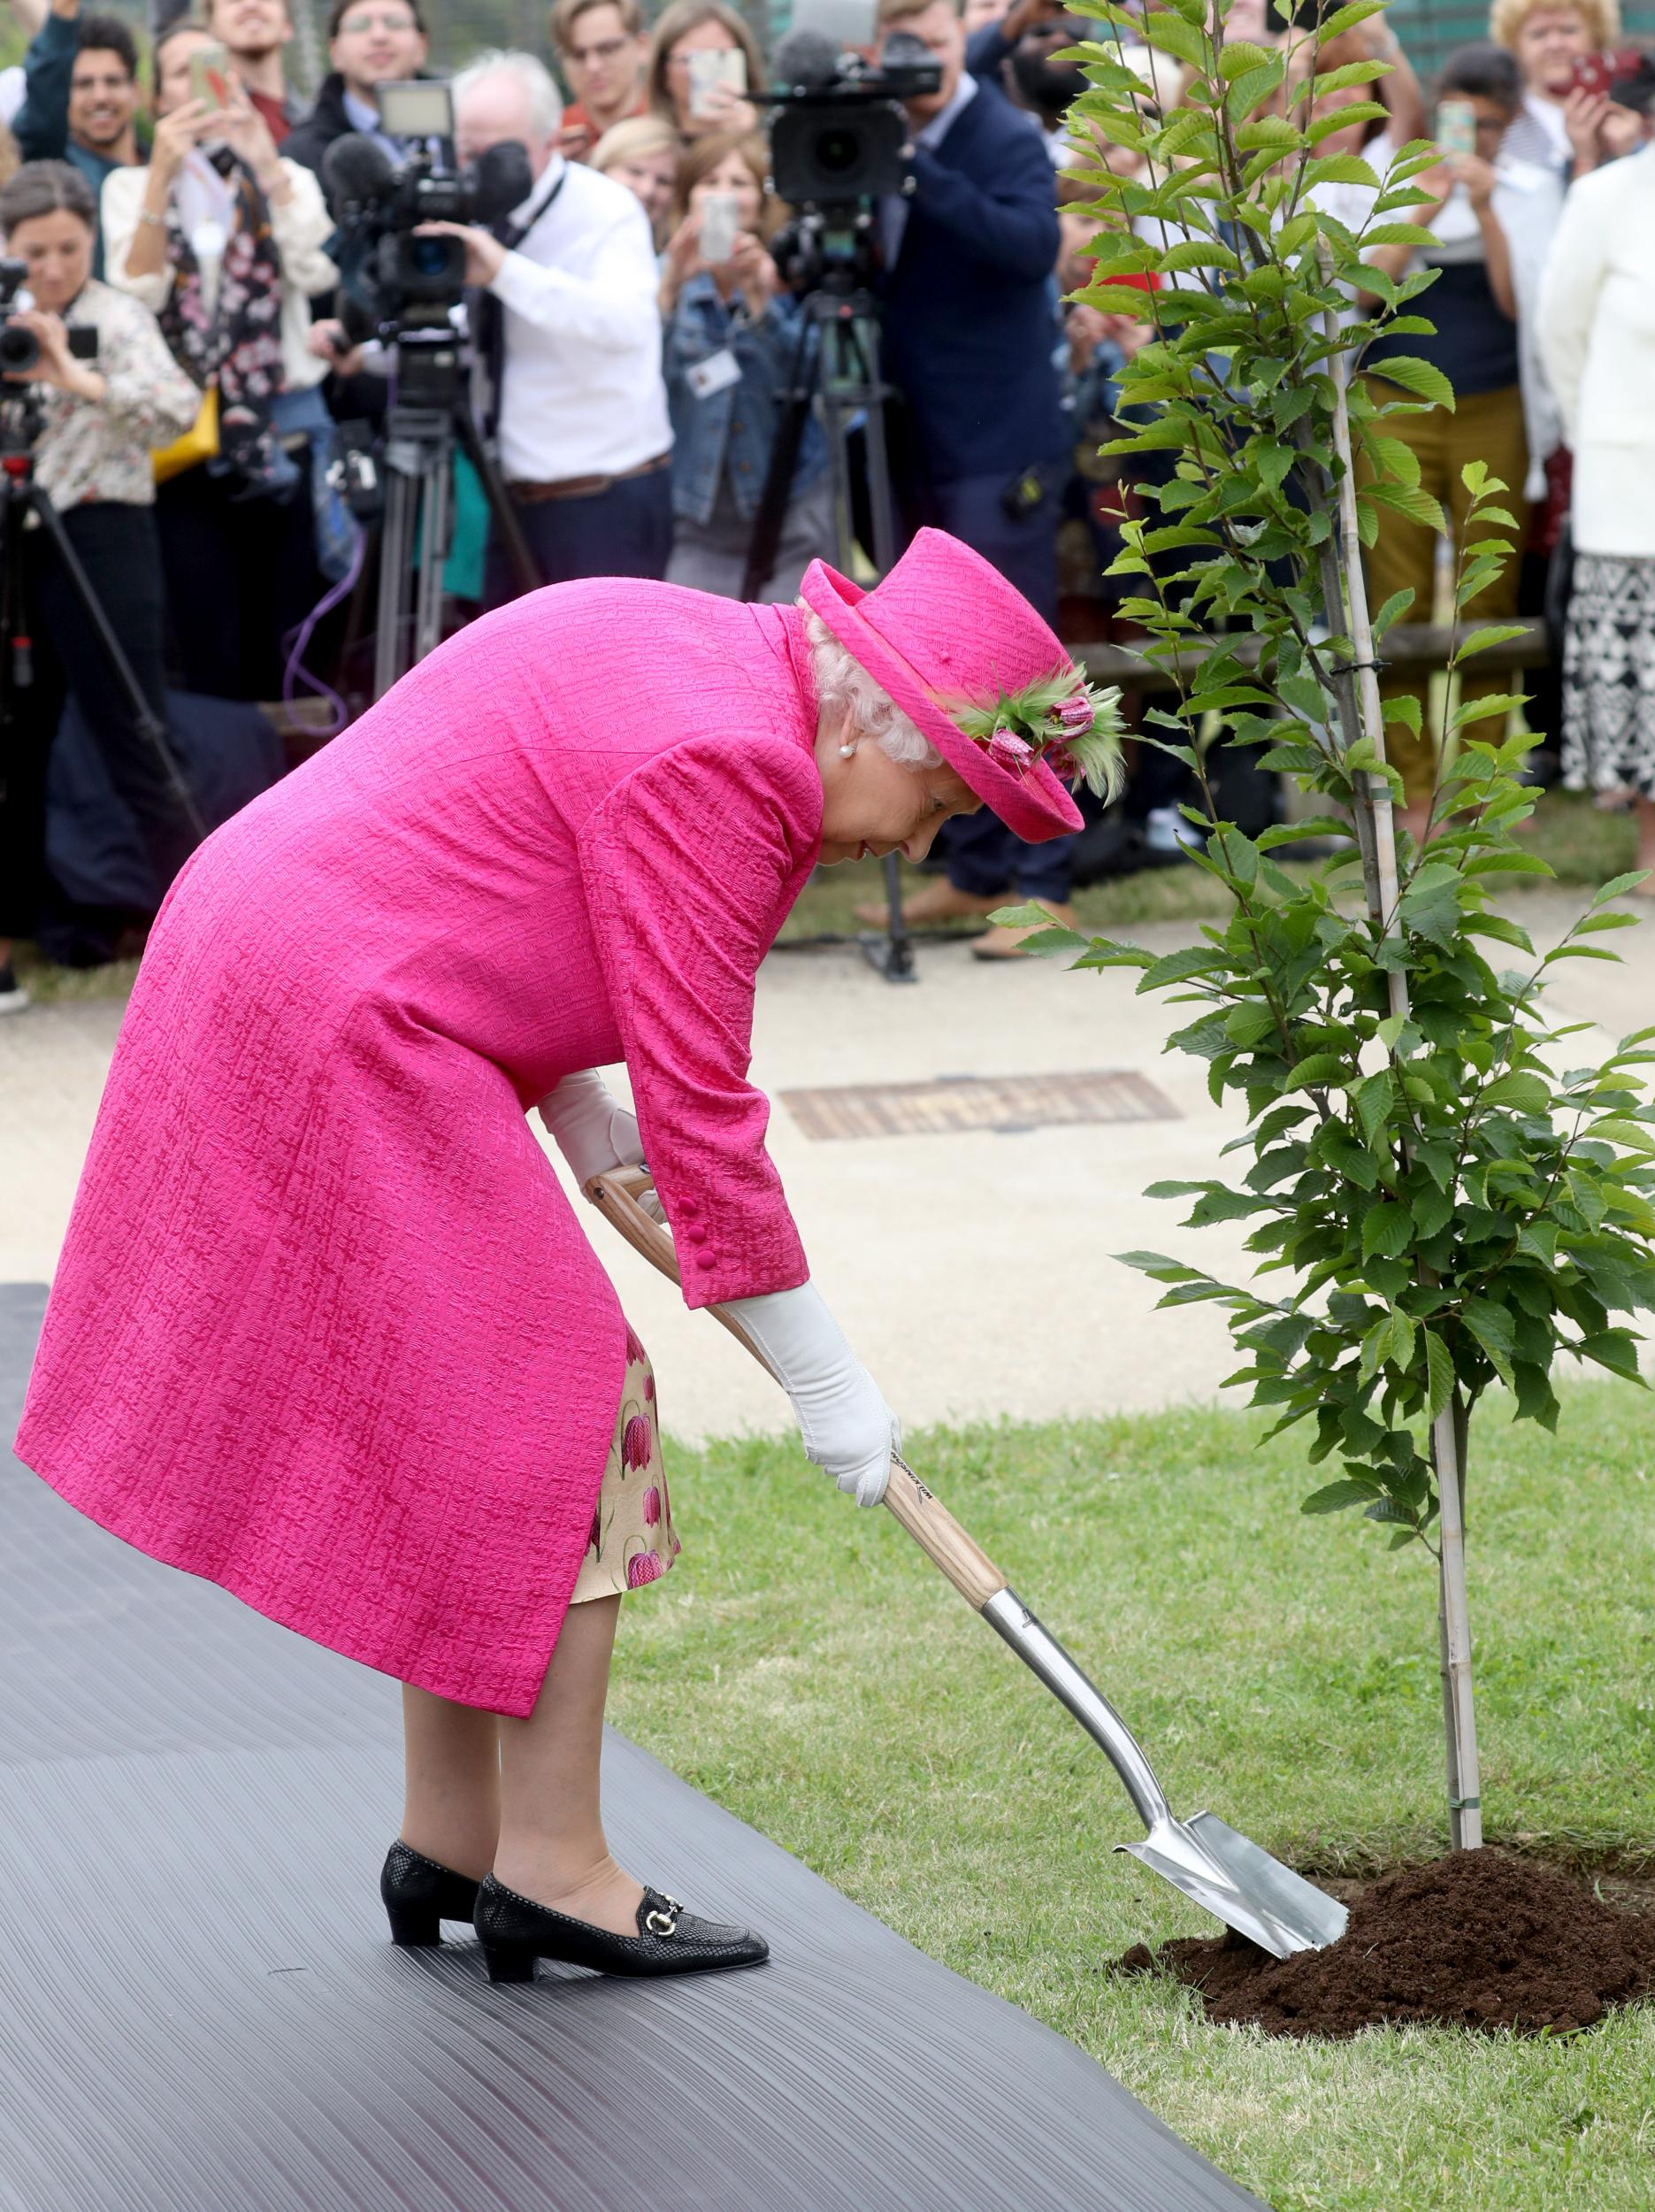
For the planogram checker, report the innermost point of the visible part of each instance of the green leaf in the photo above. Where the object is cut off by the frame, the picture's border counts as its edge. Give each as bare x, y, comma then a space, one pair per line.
1496, 633
1223, 1205
1349, 169
1528, 1094
1439, 1369
1333, 1497
1616, 1349
1387, 1228
1316, 1071
1424, 378
1616, 884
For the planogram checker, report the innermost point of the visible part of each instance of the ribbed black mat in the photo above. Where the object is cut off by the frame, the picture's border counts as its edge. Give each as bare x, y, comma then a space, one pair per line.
200, 2010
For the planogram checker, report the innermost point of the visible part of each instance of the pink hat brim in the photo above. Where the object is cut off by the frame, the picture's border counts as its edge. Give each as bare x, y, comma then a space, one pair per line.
1034, 806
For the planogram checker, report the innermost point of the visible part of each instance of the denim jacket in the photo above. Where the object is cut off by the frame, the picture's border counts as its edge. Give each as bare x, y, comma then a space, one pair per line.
731, 430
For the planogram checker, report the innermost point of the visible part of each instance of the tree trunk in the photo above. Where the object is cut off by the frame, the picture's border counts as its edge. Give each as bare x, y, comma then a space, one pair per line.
1448, 1431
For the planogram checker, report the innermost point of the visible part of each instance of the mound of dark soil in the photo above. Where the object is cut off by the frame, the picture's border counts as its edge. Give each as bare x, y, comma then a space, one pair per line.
1477, 1940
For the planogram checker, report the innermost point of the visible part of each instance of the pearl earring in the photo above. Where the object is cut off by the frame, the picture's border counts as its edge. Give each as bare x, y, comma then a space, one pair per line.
847, 751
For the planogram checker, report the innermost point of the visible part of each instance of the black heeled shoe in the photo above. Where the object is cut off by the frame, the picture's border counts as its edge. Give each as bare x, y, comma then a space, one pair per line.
419, 1896
514, 1931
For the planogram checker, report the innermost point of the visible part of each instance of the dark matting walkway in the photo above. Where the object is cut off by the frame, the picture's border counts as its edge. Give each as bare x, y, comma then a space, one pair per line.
200, 2010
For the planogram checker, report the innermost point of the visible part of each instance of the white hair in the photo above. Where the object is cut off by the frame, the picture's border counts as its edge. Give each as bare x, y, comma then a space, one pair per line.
539, 88
844, 684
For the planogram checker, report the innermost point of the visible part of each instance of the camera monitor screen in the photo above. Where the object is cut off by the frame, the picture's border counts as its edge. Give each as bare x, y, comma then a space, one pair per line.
847, 22
415, 110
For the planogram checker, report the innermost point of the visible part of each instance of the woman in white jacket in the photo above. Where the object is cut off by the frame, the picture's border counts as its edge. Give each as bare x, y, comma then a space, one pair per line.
222, 240
1597, 338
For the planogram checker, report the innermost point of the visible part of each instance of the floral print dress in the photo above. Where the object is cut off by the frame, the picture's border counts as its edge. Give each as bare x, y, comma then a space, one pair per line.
633, 1540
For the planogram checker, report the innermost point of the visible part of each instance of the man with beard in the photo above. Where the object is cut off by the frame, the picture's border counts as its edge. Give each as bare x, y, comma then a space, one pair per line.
254, 34
1017, 54
83, 93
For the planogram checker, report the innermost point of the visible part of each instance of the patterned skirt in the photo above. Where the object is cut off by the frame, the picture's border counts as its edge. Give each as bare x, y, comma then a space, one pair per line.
1609, 676
633, 1540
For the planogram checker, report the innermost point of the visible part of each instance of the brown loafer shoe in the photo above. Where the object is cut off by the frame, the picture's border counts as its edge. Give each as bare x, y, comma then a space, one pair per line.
938, 901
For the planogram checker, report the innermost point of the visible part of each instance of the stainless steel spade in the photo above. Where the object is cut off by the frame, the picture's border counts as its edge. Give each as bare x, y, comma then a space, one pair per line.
1237, 1880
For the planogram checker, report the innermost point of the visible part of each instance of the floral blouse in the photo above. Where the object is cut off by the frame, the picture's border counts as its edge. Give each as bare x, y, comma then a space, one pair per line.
101, 451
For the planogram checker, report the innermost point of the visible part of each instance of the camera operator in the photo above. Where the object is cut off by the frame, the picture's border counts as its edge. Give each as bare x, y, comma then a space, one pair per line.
579, 404
221, 238
968, 300
97, 422
968, 314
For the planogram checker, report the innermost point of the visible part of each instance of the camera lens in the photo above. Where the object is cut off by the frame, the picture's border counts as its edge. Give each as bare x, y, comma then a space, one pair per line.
838, 152
428, 257
20, 350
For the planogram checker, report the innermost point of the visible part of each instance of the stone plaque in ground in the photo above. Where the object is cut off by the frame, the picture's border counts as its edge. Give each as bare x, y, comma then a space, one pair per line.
950, 1103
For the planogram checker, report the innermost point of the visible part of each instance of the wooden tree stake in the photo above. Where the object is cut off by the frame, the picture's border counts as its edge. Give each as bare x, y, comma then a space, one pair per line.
1465, 1816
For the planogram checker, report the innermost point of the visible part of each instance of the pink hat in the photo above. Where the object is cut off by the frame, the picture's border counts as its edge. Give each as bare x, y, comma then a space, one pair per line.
945, 630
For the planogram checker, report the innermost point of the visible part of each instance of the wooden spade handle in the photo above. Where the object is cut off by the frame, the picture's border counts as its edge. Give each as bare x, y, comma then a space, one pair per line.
619, 1196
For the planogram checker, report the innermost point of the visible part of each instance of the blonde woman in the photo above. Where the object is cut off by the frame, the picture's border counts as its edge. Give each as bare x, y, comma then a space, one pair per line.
642, 153
1565, 103
732, 341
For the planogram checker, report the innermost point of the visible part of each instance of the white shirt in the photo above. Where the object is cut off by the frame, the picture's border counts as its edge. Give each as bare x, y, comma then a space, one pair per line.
893, 205
1598, 342
300, 225
582, 394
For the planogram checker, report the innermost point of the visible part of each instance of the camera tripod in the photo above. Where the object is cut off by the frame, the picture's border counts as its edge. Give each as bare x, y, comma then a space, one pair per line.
21, 496
430, 419
836, 357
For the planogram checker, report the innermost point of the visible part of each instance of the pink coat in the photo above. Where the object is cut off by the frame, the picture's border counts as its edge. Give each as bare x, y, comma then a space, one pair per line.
325, 1330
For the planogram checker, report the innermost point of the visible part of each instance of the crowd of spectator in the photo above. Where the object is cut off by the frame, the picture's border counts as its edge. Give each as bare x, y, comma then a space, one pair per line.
634, 340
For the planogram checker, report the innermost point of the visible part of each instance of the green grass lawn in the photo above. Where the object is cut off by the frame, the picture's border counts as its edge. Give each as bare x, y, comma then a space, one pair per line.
807, 1667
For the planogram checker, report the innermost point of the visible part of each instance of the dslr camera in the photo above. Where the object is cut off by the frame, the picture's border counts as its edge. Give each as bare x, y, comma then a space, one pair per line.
19, 348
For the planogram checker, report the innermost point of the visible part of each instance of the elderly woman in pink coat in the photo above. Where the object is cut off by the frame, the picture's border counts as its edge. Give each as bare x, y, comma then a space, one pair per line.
326, 1331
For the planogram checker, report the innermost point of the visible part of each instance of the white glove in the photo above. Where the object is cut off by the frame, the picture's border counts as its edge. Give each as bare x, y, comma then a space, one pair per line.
594, 1130
846, 1426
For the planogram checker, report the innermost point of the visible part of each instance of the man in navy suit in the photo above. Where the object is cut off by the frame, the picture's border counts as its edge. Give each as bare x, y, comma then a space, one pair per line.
969, 322
970, 338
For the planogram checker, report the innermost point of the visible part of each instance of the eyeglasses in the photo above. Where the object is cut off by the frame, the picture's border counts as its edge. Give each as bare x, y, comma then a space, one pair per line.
606, 49
358, 24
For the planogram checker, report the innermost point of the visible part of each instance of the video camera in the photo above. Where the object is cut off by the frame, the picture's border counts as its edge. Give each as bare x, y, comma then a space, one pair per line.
399, 284
841, 130
19, 348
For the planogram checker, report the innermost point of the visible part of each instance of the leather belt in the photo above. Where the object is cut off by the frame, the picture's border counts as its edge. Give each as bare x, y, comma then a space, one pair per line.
528, 494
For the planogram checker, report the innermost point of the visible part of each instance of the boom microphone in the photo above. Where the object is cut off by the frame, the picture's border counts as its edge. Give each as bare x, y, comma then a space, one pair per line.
357, 169
803, 60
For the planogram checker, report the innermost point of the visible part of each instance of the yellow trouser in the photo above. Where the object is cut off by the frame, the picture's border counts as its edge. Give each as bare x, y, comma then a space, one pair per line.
1484, 426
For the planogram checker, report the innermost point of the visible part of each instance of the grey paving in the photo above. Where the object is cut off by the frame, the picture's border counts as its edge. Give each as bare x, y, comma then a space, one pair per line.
200, 2010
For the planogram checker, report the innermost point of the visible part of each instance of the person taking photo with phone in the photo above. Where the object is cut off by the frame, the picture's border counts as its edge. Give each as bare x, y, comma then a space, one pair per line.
703, 60
1562, 49
222, 239
732, 338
